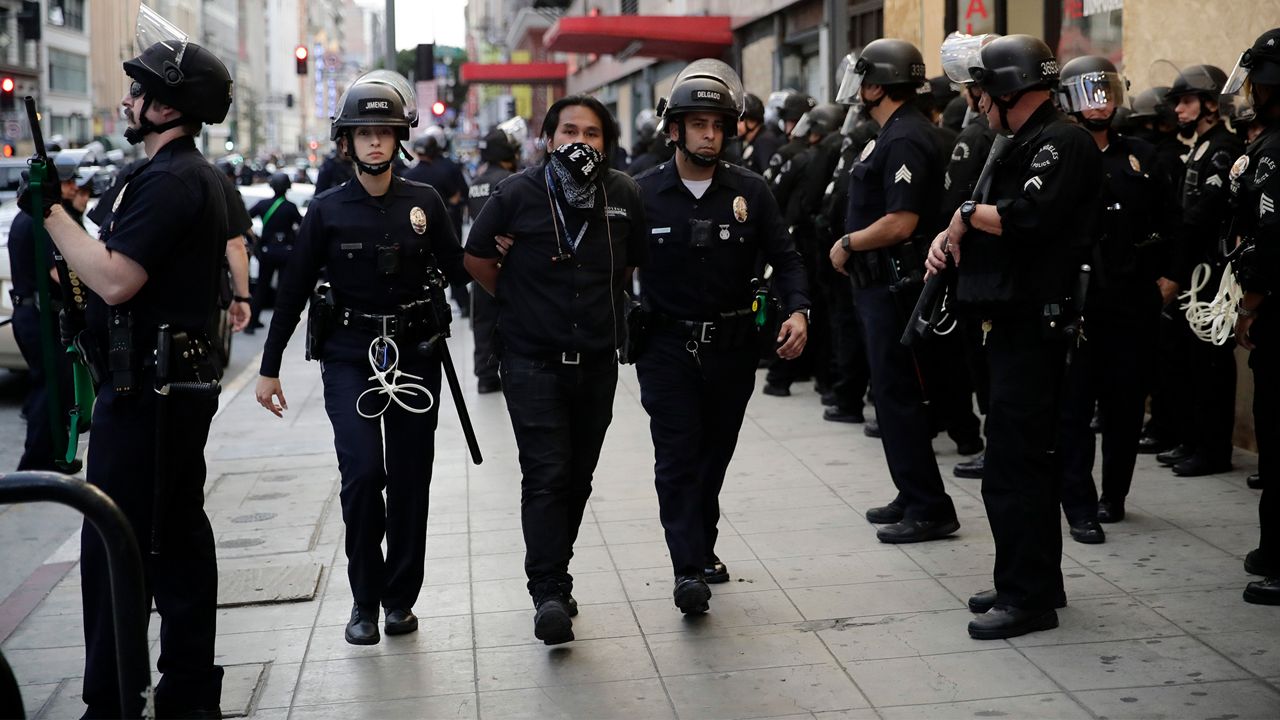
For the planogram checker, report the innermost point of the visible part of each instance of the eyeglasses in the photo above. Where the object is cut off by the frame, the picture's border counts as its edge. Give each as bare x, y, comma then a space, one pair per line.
136, 89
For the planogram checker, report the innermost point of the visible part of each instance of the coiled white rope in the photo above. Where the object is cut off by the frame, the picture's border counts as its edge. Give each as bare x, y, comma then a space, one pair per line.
1213, 321
384, 358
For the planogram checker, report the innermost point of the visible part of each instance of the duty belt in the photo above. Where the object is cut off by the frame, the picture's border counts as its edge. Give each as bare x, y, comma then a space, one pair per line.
571, 357
705, 331
373, 322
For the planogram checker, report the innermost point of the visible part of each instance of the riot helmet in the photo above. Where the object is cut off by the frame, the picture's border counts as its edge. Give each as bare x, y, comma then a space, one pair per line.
177, 73
1206, 83
279, 183
822, 120
1091, 82
752, 108
646, 126
372, 102
431, 142
1259, 65
960, 52
1150, 104
504, 142
1014, 65
708, 86
795, 106
887, 62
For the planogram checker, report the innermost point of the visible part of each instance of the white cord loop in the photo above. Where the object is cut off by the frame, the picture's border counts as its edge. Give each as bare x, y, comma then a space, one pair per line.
384, 358
1213, 321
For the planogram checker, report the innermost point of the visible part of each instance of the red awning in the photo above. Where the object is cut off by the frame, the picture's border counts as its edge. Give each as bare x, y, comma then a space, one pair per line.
666, 37
514, 73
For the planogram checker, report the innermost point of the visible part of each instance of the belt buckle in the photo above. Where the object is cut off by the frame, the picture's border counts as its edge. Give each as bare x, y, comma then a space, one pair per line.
704, 333
570, 358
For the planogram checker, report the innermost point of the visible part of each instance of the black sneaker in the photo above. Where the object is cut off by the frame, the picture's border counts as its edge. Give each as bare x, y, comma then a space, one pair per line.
692, 595
552, 623
972, 469
776, 390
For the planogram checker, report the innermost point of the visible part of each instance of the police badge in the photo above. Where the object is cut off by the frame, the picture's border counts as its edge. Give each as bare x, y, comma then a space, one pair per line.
418, 219
740, 209
867, 150
1241, 164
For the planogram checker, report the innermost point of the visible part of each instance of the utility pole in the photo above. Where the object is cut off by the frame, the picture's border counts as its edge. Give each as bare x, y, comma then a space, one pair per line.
391, 36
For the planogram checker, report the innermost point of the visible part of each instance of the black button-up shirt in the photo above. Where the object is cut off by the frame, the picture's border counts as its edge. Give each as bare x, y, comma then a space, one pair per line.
1255, 186
899, 171
172, 220
746, 228
343, 232
547, 305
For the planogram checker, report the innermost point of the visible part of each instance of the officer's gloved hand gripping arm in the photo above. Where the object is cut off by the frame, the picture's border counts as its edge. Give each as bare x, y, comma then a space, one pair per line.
114, 276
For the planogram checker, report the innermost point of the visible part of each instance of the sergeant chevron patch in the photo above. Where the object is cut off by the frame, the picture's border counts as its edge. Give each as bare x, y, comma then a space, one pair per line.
903, 175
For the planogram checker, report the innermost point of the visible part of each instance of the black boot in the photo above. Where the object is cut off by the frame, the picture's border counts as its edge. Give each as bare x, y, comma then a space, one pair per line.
1263, 592
362, 629
1110, 511
400, 621
971, 469
1002, 622
1176, 455
552, 623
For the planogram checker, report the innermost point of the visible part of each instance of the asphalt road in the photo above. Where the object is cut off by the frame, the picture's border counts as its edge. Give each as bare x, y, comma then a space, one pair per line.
30, 533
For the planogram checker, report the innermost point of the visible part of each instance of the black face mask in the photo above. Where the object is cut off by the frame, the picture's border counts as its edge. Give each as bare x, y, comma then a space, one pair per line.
582, 162
1096, 125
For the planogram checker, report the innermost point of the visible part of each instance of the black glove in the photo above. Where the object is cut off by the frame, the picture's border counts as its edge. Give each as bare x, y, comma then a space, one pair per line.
51, 193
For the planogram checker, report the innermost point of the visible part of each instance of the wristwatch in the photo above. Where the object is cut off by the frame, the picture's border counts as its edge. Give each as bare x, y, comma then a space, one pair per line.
242, 298
967, 209
844, 243
803, 311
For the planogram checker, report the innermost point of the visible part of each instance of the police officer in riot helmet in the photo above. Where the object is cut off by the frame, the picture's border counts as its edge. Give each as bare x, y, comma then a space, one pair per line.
652, 148
500, 151
152, 277
793, 107
1255, 185
1121, 312
758, 141
387, 246
1018, 257
709, 223
1205, 407
893, 202
280, 220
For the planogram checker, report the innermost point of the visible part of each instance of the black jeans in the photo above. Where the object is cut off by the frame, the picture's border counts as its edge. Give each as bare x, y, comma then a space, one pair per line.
1020, 484
695, 412
484, 325
850, 375
559, 414
905, 423
183, 579
394, 453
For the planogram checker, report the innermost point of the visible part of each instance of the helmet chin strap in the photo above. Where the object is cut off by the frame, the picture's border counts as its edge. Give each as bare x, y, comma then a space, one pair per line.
1096, 124
1188, 129
367, 168
693, 157
146, 127
1004, 107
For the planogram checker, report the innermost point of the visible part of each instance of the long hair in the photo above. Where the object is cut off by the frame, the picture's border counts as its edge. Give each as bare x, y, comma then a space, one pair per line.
608, 123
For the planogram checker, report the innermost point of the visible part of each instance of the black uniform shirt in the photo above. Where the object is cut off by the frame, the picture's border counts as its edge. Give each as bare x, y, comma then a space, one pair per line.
483, 186
757, 154
548, 306
699, 283
238, 220
280, 227
964, 168
1132, 214
22, 257
1255, 184
835, 198
785, 170
171, 219
899, 171
343, 232
1205, 199
445, 176
1046, 191
333, 172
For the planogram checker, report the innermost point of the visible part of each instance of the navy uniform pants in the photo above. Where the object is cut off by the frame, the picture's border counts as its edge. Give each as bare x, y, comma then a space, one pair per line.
484, 325
1266, 418
559, 414
695, 411
1021, 481
905, 422
392, 453
850, 375
269, 264
183, 579
1110, 369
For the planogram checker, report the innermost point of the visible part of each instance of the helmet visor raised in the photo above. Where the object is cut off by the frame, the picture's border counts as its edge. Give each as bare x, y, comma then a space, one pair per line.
961, 52
851, 83
153, 28
517, 131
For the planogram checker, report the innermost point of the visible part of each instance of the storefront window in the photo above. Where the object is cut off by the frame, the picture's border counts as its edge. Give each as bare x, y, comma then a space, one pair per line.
1091, 27
976, 17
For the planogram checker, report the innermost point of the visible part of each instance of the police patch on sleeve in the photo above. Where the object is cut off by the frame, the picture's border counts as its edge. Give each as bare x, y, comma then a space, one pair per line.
869, 148
1045, 158
1221, 159
1241, 164
418, 219
1266, 166
960, 151
740, 209
1265, 205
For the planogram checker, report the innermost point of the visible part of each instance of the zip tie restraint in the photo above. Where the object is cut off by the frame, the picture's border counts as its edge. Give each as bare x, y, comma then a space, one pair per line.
1213, 321
384, 358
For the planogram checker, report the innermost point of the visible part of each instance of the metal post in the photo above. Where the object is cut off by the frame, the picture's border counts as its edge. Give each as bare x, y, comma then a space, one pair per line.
391, 35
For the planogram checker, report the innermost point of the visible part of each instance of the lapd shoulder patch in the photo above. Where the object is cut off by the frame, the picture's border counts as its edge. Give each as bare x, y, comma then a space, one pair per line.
418, 219
960, 151
1045, 158
1237, 169
1266, 166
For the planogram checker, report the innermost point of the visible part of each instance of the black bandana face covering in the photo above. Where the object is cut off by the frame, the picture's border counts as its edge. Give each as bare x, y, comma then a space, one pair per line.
577, 167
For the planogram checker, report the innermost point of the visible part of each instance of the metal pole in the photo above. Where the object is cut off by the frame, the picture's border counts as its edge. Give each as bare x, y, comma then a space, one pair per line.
391, 35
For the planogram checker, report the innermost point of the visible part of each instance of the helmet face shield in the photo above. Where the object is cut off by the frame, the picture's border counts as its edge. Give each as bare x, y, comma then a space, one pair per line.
850, 123
1239, 75
851, 83
803, 125
1092, 91
961, 52
151, 29
517, 131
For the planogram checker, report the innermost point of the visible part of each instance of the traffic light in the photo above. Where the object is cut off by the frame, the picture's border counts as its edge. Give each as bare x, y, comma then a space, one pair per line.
438, 108
7, 100
8, 150
300, 54
424, 62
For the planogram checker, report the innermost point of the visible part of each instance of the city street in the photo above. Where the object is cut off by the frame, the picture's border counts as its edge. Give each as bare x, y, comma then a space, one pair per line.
820, 620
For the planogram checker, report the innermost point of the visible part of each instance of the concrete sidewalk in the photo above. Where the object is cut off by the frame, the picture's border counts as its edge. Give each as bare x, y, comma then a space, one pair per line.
819, 620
